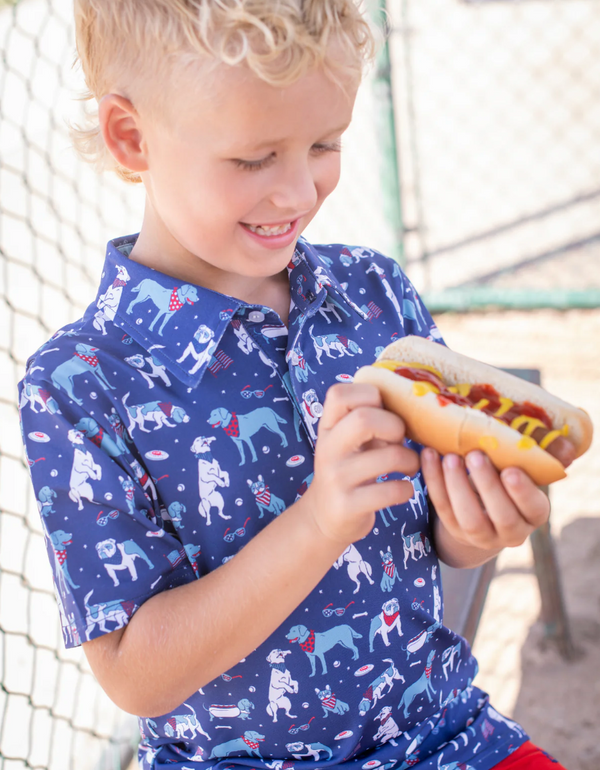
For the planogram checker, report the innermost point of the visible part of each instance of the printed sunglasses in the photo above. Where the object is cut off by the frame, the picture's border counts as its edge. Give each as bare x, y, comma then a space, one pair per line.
102, 520
229, 537
258, 393
293, 730
339, 611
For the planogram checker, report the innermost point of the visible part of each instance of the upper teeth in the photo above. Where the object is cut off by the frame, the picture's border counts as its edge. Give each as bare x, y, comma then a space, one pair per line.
270, 230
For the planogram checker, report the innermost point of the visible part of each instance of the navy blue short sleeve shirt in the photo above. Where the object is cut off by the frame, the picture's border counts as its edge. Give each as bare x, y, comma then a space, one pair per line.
167, 427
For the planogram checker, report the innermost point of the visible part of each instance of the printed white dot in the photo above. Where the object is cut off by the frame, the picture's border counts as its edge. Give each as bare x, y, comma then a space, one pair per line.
239, 501
266, 450
336, 663
251, 688
93, 394
138, 321
54, 473
376, 531
108, 496
180, 487
305, 705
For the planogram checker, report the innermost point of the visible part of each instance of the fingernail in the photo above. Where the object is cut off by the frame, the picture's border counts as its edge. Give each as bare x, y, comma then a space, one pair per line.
476, 459
429, 454
511, 477
451, 461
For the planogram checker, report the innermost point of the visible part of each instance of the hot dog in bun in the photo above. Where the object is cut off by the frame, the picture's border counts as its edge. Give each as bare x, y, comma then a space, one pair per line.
456, 404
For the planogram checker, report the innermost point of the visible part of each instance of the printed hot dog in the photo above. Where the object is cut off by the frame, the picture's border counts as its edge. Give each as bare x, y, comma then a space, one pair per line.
456, 404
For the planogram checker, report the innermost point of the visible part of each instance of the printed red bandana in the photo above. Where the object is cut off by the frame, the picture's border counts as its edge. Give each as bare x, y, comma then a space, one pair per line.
61, 556
329, 702
264, 497
118, 282
97, 439
91, 360
389, 568
166, 408
174, 302
389, 619
309, 644
233, 427
248, 742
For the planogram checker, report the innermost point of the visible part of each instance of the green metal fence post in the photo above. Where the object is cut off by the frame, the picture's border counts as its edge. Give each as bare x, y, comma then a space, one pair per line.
386, 134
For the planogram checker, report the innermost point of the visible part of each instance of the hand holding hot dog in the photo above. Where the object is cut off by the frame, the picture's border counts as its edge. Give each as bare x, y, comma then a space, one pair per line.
358, 441
483, 512
508, 434
456, 405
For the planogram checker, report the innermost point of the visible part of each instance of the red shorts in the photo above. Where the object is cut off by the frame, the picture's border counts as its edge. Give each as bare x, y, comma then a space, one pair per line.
529, 757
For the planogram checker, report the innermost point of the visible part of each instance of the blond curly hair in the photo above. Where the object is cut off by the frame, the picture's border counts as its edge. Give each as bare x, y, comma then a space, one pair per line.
123, 43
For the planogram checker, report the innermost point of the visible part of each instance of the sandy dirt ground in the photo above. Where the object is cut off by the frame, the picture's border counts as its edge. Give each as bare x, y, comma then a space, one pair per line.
557, 701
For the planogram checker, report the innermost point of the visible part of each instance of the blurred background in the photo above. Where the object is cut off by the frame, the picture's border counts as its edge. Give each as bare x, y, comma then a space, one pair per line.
474, 160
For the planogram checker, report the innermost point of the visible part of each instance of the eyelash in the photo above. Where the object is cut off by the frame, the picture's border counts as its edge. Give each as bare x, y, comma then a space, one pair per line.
257, 165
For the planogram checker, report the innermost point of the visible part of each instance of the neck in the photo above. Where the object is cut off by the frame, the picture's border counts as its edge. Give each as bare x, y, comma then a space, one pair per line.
156, 248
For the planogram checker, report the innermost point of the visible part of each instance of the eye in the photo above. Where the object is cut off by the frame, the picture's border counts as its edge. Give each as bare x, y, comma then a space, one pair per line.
254, 165
327, 147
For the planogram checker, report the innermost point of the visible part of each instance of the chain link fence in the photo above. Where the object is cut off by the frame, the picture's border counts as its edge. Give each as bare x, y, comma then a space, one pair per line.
498, 109
56, 215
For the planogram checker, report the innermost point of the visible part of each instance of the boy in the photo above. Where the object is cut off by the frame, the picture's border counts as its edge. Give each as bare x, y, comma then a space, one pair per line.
196, 517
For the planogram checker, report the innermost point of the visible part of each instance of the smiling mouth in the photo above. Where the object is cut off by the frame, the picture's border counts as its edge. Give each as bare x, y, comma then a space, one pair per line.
270, 230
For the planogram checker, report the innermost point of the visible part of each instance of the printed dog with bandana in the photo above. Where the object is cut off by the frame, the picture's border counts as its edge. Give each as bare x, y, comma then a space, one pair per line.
387, 620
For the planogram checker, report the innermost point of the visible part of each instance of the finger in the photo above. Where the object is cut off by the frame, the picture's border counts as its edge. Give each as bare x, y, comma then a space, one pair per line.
367, 466
506, 518
471, 519
344, 398
532, 502
431, 465
365, 424
375, 496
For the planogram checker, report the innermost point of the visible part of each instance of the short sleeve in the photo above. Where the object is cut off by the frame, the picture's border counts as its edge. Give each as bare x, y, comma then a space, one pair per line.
109, 548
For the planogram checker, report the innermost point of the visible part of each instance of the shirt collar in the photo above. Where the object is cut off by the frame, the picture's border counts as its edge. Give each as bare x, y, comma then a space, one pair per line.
187, 320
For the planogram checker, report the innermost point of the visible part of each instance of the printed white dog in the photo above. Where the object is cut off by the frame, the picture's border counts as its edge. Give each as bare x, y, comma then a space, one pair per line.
157, 412
388, 729
149, 367
129, 550
203, 336
83, 468
108, 303
356, 565
280, 684
384, 623
210, 476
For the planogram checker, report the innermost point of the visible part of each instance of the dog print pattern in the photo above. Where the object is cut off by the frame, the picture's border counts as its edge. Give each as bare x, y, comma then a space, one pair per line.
164, 430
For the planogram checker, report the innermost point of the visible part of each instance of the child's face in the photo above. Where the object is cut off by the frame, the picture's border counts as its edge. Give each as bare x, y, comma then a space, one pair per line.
239, 155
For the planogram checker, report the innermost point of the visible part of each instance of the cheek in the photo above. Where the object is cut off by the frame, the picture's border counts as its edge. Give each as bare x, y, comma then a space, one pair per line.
329, 176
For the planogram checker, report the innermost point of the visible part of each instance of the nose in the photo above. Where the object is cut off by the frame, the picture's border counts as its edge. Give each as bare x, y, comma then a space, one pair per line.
296, 189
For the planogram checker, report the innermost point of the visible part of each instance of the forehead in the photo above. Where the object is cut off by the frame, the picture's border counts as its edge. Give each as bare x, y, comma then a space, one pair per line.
231, 105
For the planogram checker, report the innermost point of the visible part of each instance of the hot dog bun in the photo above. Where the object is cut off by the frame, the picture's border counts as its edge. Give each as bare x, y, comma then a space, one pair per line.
451, 428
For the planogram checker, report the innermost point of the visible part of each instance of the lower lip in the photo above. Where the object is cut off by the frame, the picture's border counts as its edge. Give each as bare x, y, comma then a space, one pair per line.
275, 241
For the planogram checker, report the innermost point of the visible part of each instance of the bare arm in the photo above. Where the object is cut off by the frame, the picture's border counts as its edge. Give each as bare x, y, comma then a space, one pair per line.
181, 639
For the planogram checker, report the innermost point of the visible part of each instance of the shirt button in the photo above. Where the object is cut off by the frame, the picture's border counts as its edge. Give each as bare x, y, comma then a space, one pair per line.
256, 316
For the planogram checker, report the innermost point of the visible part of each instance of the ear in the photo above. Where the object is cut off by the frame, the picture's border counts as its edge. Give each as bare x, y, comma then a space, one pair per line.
120, 125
